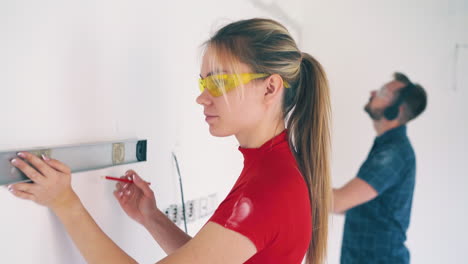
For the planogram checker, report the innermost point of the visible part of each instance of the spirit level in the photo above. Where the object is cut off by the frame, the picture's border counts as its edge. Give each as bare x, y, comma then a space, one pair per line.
83, 157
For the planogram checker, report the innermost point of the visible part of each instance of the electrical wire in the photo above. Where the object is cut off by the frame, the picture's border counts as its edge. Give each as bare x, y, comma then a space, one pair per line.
181, 191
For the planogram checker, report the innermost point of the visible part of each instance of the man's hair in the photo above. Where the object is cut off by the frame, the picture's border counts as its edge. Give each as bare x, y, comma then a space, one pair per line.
412, 97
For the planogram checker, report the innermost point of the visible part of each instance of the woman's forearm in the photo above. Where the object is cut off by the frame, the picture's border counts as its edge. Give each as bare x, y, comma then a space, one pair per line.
93, 243
168, 235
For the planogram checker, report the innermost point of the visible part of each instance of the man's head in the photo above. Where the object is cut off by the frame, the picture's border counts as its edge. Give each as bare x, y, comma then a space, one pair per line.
399, 99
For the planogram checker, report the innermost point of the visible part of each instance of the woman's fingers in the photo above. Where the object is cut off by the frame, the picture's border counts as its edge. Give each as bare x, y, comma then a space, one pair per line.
125, 192
23, 190
23, 195
37, 163
123, 198
24, 187
29, 171
138, 183
57, 165
51, 187
117, 195
130, 173
118, 186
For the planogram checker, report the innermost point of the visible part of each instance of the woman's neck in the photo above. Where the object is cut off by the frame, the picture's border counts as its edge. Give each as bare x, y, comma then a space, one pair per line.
257, 136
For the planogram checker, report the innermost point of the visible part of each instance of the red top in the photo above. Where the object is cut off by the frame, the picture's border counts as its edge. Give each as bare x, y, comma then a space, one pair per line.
269, 204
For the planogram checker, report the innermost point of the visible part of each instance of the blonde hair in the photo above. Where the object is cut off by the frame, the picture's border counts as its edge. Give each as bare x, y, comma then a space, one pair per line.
267, 47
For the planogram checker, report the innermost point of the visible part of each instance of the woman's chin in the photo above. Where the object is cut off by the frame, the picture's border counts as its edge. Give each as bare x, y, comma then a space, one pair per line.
216, 132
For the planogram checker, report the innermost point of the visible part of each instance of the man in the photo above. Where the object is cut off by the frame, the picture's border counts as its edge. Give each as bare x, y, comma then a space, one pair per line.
378, 201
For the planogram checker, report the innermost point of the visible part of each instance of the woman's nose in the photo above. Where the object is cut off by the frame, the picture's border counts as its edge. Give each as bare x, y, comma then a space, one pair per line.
203, 98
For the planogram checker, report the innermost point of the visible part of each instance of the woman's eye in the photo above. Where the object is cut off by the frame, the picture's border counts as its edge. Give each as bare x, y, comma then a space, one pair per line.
220, 82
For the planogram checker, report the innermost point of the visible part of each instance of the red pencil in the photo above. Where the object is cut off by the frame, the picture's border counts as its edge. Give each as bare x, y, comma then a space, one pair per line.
121, 180
118, 179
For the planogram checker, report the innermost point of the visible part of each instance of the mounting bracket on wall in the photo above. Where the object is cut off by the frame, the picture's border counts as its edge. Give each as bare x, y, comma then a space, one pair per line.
83, 157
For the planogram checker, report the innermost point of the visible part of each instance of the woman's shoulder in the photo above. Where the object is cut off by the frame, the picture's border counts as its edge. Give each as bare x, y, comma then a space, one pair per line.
279, 163
278, 173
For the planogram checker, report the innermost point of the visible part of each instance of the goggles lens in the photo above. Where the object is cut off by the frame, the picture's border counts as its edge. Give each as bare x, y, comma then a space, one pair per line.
219, 84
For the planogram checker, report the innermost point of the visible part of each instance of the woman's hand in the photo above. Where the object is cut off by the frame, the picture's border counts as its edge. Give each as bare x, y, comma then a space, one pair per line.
51, 178
136, 199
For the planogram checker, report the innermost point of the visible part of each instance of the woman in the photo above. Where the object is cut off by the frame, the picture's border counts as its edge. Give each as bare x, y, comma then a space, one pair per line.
254, 83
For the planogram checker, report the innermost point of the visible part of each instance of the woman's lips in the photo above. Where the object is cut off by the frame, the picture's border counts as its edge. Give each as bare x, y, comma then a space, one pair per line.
210, 118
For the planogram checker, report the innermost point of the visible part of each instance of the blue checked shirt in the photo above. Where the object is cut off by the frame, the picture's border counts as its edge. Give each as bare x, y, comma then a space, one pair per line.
375, 232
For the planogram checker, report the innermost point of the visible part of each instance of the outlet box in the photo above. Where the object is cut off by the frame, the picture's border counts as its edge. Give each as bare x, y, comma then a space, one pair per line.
194, 209
190, 213
174, 213
180, 213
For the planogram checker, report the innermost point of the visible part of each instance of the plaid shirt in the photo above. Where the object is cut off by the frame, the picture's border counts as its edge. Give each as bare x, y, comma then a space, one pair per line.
375, 231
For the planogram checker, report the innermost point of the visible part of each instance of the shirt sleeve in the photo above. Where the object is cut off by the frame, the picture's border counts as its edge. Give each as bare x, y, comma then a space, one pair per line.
382, 170
256, 213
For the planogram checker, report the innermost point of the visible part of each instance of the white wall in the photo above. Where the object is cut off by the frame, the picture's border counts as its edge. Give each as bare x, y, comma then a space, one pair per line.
86, 71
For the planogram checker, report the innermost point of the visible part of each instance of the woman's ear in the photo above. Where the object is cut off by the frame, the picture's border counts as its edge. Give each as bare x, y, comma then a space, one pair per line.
274, 88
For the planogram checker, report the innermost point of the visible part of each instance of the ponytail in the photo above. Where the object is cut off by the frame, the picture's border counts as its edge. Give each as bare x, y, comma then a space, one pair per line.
308, 110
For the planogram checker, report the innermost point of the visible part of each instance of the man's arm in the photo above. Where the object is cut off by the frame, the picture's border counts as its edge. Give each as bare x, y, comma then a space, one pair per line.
354, 193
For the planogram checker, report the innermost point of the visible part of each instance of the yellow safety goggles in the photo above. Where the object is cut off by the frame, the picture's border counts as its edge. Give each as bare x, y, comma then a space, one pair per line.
219, 84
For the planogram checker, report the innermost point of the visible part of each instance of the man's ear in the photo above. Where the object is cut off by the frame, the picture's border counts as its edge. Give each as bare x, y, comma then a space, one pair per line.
274, 88
401, 114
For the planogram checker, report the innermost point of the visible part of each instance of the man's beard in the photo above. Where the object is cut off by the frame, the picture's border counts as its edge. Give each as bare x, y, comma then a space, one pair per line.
375, 114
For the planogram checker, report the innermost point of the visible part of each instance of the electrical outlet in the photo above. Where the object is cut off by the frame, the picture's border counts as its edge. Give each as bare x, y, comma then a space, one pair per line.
190, 211
180, 213
173, 213
166, 212
194, 209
